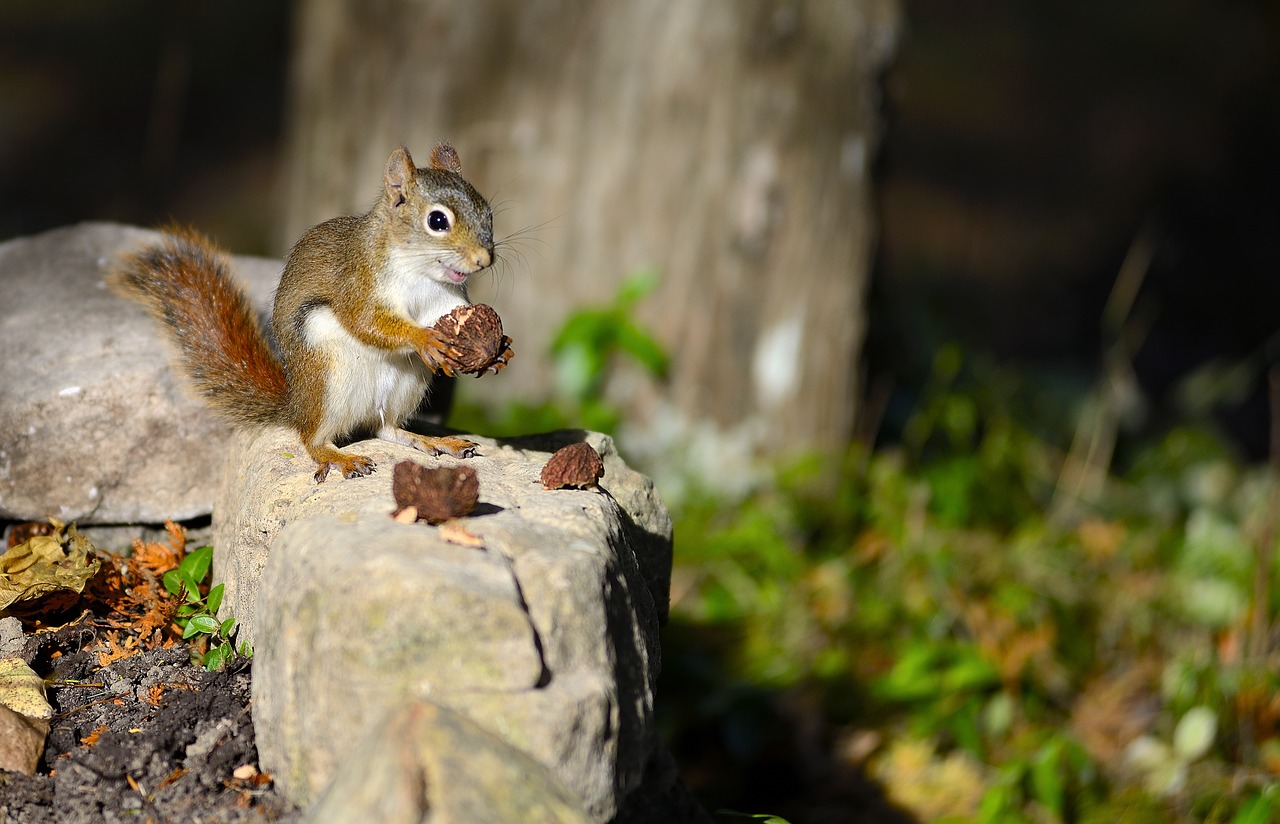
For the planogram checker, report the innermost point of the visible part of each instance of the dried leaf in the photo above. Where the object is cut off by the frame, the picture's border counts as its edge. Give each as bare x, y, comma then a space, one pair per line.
407, 515
46, 573
455, 533
93, 736
25, 531
117, 647
21, 690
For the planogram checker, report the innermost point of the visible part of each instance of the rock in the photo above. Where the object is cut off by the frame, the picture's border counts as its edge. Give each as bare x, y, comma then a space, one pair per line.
11, 636
408, 769
94, 427
546, 637
21, 741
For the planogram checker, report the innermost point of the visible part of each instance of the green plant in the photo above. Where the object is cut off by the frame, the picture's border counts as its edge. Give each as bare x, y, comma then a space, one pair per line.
932, 598
198, 615
590, 342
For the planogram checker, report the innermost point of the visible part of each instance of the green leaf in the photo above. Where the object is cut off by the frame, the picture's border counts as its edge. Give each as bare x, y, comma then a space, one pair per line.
190, 585
1256, 810
172, 582
764, 818
638, 284
226, 627
586, 328
1047, 779
639, 345
197, 562
215, 597
217, 657
1195, 733
203, 624
577, 368
246, 649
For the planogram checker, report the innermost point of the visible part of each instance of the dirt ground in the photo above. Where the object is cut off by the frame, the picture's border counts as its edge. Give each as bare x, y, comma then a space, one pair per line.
147, 738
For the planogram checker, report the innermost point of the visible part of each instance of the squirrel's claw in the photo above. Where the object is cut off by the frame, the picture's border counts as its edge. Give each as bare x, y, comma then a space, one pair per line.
501, 361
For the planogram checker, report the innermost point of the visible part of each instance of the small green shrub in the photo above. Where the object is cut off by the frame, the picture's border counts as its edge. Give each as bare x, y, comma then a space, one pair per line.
198, 615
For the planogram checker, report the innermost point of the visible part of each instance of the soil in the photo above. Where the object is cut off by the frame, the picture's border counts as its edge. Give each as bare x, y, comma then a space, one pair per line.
147, 738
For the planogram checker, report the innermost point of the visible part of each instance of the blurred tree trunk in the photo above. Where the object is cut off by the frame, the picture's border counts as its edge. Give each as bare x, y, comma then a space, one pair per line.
726, 143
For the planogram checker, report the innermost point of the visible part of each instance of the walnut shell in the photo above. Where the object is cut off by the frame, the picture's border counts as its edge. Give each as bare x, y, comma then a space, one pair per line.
576, 465
476, 342
438, 493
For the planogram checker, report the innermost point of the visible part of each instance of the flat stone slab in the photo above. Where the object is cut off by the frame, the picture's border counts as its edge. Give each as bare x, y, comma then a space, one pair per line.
546, 635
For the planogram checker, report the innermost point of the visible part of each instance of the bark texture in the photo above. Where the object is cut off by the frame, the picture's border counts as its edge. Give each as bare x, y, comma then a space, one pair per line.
726, 143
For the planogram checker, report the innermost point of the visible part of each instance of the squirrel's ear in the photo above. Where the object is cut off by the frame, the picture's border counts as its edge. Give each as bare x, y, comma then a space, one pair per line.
399, 173
445, 158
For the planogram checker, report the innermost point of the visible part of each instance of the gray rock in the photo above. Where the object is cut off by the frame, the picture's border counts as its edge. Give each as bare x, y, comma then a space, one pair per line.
424, 764
546, 637
94, 426
12, 637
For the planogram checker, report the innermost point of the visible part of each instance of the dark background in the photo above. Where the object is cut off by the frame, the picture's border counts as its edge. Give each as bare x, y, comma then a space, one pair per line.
1028, 146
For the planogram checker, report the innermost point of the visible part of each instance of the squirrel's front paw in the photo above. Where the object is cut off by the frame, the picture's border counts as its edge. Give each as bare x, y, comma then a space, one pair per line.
501, 361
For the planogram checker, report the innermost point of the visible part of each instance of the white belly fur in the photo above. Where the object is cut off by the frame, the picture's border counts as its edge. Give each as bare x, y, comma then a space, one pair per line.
367, 387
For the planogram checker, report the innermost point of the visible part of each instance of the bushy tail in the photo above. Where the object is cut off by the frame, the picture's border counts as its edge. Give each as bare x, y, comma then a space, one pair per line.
185, 283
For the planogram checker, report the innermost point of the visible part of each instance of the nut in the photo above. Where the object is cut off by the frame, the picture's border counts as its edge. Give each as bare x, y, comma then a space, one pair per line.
576, 466
438, 493
476, 342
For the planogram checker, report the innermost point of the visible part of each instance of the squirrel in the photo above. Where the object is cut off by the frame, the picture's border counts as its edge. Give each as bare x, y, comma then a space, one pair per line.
352, 315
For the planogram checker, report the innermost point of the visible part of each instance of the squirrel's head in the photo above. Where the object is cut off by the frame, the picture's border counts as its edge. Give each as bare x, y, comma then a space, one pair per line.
437, 214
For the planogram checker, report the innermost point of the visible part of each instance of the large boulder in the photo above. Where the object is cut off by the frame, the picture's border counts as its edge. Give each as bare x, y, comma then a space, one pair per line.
94, 425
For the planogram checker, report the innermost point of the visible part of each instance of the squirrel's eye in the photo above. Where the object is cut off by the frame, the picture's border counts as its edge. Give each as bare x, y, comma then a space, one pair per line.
438, 221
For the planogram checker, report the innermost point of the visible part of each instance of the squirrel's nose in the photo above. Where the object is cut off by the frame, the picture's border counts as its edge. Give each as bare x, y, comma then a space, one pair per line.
481, 257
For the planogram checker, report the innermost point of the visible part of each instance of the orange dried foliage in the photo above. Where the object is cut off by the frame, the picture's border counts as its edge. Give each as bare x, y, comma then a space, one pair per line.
129, 591
1258, 704
154, 694
171, 777
158, 558
1113, 710
93, 736
117, 647
1007, 644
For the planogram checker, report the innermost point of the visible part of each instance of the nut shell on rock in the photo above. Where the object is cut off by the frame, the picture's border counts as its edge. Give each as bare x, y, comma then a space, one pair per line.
576, 466
475, 338
437, 493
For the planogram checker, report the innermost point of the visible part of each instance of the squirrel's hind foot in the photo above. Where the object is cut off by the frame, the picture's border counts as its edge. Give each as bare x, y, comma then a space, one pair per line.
444, 445
330, 457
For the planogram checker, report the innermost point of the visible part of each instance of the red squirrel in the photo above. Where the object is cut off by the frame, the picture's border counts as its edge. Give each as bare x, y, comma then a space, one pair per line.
352, 316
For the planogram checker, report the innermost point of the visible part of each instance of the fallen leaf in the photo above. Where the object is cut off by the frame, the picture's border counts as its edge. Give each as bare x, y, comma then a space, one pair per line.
46, 573
177, 773
455, 533
27, 530
93, 736
21, 690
